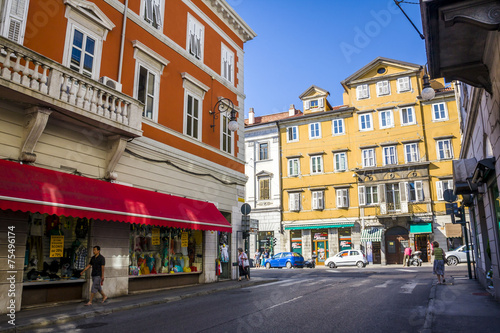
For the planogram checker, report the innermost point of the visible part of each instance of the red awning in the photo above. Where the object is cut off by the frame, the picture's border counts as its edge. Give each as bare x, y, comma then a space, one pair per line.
28, 188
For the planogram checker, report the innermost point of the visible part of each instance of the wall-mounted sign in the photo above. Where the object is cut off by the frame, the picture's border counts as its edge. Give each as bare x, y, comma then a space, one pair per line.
155, 236
56, 246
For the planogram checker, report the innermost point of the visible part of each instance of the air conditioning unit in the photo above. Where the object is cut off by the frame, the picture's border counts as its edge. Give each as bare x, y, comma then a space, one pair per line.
111, 83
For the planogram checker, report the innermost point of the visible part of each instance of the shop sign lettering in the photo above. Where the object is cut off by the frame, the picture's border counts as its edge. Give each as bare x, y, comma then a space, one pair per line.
56, 246
184, 239
155, 236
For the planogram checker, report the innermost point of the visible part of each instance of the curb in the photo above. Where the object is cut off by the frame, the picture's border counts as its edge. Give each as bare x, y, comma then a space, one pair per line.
64, 318
429, 313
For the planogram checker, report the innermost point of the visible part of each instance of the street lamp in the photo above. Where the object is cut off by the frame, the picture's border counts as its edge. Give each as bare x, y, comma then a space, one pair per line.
428, 92
225, 105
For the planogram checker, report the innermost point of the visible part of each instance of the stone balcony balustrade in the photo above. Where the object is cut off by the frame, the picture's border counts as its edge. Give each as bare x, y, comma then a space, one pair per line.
35, 80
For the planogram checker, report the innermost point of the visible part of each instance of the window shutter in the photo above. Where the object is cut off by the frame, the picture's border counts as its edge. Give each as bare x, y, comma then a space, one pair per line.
297, 201
148, 10
362, 195
321, 102
339, 198
358, 92
315, 199
17, 14
419, 189
157, 13
321, 200
345, 198
308, 105
403, 191
14, 30
291, 201
439, 188
381, 193
380, 90
450, 184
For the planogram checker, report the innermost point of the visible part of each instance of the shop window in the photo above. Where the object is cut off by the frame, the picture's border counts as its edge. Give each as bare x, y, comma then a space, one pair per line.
345, 241
57, 248
162, 250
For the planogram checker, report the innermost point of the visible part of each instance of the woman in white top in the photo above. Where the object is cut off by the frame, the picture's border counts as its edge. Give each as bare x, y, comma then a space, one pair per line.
243, 264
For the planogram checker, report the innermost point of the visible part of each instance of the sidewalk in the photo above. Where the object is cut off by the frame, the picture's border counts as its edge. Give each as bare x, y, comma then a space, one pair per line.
58, 314
461, 305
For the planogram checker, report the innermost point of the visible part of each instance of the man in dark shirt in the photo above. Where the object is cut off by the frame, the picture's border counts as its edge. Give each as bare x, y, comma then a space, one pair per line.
97, 262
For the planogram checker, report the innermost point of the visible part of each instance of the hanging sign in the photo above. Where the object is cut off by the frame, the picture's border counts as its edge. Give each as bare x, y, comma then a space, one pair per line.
155, 236
184, 239
56, 246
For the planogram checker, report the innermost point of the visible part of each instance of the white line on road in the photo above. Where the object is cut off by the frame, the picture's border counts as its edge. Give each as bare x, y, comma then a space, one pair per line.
291, 300
384, 285
406, 270
408, 288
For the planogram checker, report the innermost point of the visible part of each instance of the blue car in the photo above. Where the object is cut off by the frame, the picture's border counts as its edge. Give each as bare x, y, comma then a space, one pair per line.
285, 259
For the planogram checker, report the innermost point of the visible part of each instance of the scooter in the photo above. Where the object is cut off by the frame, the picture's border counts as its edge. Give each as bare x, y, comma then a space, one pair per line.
415, 259
311, 263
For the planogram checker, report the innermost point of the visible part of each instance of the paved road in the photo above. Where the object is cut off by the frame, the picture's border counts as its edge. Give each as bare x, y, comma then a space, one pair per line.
384, 299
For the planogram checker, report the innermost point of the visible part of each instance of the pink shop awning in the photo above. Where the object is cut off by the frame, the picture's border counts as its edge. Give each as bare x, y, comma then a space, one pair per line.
32, 189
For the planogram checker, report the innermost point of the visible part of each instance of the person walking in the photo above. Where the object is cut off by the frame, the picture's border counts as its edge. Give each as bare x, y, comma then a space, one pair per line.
97, 262
406, 258
243, 264
439, 257
257, 258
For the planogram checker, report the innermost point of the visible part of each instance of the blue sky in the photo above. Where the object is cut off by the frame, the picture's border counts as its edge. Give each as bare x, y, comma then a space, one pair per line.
300, 43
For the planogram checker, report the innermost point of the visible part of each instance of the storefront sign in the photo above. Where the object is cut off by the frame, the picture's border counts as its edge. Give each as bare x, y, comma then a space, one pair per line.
321, 236
155, 236
184, 239
56, 246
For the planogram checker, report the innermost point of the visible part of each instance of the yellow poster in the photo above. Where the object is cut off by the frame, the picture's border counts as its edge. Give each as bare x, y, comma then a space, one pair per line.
155, 236
56, 246
184, 239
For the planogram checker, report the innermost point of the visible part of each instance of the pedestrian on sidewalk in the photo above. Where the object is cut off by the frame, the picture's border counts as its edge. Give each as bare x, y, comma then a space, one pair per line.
438, 267
406, 258
243, 264
97, 262
257, 258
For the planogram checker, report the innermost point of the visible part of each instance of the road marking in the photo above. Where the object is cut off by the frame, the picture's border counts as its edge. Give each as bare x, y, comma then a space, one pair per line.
283, 283
359, 284
406, 270
291, 300
408, 288
333, 271
384, 285
287, 283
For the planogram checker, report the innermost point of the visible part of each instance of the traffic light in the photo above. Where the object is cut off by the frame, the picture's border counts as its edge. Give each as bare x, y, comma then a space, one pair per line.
458, 215
274, 241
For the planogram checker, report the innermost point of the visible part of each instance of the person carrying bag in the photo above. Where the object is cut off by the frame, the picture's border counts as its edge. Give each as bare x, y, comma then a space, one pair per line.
243, 264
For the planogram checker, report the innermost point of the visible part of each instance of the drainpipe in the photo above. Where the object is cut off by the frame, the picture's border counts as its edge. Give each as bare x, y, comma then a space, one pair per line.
122, 42
280, 186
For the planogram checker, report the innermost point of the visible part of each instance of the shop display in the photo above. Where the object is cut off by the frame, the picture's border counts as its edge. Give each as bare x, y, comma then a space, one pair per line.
55, 249
174, 251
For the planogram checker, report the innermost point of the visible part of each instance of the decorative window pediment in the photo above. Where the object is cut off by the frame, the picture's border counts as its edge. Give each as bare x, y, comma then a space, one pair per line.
91, 15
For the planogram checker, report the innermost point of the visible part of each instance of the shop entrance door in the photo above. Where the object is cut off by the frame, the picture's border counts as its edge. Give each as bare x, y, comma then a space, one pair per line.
320, 248
421, 245
396, 240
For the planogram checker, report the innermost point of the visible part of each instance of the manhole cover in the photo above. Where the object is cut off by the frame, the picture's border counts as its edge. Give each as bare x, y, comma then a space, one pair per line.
91, 325
481, 294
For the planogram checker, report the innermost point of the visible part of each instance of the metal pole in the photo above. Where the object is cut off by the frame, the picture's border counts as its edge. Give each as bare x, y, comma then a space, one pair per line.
464, 230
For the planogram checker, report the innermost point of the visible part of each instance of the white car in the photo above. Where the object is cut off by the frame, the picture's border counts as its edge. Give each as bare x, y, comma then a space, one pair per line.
459, 255
347, 258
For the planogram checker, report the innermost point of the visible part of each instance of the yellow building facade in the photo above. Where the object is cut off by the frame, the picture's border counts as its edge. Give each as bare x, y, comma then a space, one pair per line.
370, 174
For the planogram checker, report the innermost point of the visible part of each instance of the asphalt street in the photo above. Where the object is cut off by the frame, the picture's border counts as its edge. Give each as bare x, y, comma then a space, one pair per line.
383, 299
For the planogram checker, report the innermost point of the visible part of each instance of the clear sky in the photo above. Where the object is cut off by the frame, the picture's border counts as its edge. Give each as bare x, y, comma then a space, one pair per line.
304, 42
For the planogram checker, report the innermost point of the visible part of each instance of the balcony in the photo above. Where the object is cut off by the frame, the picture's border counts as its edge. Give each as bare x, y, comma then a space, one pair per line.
403, 208
30, 79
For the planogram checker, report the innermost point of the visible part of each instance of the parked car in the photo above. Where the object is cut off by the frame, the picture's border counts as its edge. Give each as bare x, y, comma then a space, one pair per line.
459, 255
347, 258
285, 259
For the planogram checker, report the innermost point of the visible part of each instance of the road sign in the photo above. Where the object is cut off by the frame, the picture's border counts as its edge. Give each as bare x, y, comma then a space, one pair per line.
246, 209
451, 208
449, 196
254, 225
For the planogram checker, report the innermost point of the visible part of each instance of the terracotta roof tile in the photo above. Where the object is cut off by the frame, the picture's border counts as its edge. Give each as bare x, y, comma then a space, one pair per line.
272, 117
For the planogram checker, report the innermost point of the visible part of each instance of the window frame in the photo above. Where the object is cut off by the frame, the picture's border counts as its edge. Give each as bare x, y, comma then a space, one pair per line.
440, 188
362, 91
294, 202
266, 151
319, 164
139, 63
367, 195
295, 132
227, 139
438, 154
342, 198
191, 21
364, 158
360, 121
393, 157
293, 162
383, 88
398, 83
415, 152
263, 180
401, 111
72, 26
231, 72
445, 111
337, 161
317, 199
21, 19
161, 9
389, 112
188, 93
315, 130
418, 191
336, 123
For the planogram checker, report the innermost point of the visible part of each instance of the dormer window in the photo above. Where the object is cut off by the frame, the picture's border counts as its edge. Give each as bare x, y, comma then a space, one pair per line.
314, 104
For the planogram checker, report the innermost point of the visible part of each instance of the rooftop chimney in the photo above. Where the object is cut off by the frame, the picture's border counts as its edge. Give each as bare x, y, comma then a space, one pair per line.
251, 117
291, 111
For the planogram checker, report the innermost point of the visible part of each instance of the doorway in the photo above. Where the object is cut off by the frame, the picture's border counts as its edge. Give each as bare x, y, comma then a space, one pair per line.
421, 244
396, 239
320, 246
